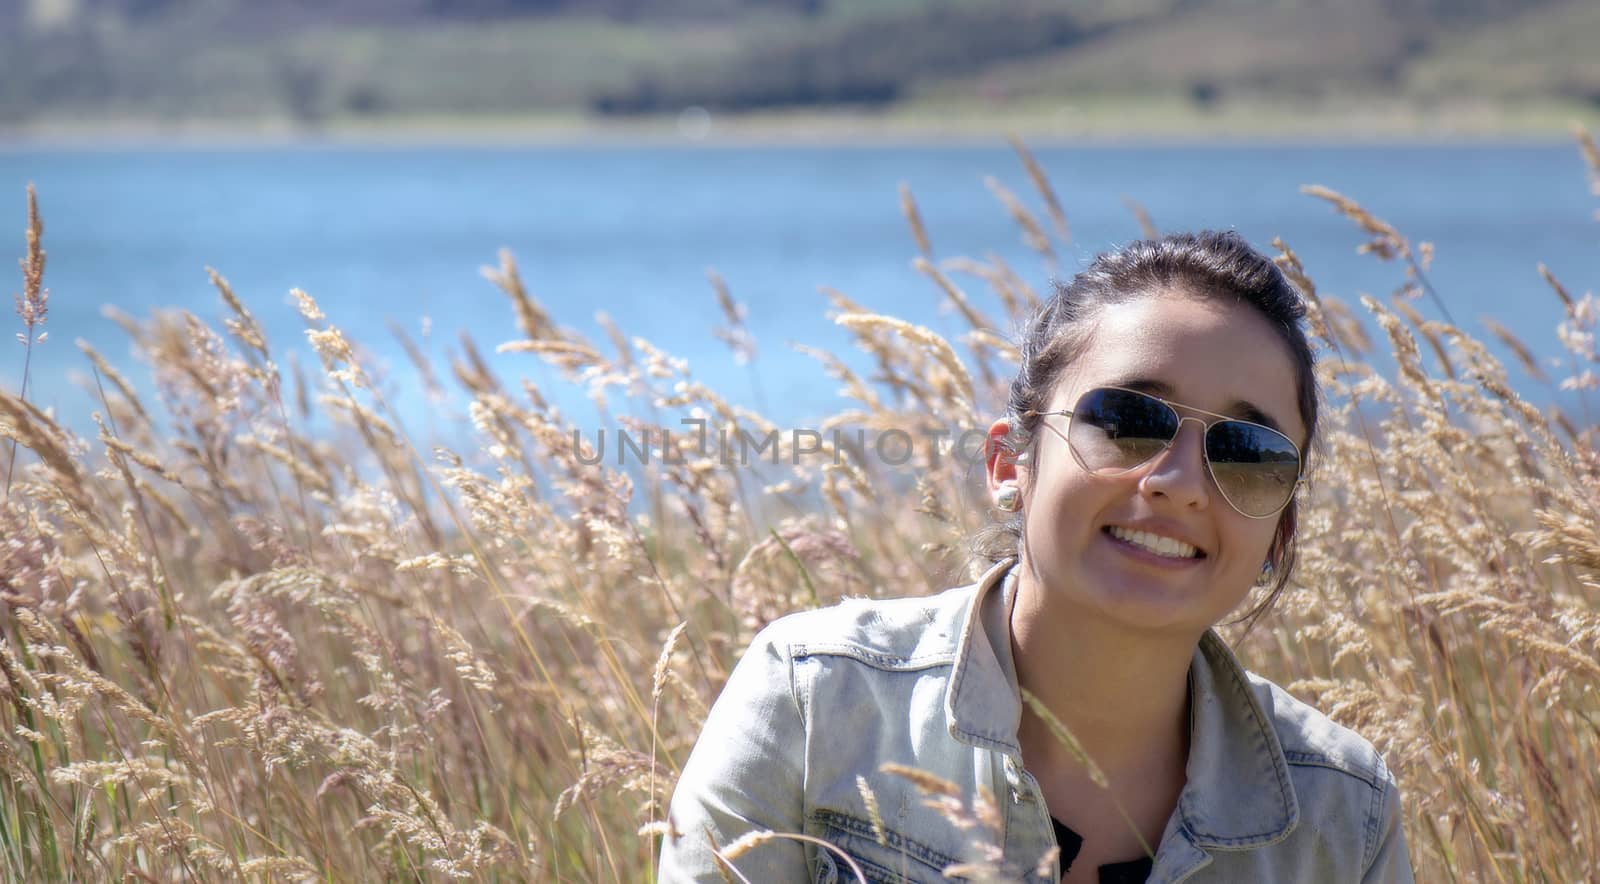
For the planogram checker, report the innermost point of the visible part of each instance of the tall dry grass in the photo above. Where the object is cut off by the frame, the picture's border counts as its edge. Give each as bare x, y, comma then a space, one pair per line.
238, 648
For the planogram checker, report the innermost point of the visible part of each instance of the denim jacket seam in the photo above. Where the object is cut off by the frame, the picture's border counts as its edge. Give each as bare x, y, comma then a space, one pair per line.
1244, 842
1374, 823
895, 840
876, 659
960, 665
786, 649
801, 711
1317, 759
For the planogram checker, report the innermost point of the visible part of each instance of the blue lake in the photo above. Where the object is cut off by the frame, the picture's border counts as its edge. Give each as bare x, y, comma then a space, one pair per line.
381, 235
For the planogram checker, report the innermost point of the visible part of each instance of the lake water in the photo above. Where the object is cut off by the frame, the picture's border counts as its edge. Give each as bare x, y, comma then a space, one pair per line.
381, 234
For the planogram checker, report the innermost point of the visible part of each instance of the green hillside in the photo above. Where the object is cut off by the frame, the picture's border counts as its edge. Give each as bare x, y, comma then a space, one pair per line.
574, 63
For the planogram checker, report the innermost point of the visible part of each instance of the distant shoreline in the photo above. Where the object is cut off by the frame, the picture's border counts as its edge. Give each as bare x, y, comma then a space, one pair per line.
1099, 121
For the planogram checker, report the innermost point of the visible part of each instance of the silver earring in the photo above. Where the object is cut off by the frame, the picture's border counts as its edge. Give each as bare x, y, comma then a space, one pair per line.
1008, 498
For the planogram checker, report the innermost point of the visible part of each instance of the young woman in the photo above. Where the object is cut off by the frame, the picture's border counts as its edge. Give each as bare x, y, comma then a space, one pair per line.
1146, 469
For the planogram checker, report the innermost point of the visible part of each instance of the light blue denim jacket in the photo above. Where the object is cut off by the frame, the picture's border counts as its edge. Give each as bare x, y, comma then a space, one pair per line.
1276, 791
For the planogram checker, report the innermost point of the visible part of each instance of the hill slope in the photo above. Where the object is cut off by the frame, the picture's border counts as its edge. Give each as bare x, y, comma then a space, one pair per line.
173, 61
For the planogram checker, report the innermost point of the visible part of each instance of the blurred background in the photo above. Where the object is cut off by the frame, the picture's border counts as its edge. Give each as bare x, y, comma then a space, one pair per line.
377, 152
1068, 67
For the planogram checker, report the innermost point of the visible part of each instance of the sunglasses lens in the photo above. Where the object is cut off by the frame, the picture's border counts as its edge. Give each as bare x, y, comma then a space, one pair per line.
1119, 429
1255, 467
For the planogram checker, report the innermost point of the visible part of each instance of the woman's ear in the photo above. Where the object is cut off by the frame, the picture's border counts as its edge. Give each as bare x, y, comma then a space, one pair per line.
1001, 463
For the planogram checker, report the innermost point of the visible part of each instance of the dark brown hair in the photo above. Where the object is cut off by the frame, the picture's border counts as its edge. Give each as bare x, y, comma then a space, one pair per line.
1209, 264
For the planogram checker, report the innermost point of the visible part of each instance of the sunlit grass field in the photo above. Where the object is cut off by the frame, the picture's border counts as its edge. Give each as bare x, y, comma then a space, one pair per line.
238, 648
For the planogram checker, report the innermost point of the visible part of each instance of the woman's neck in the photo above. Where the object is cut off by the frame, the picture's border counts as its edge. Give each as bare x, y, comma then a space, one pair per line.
1122, 694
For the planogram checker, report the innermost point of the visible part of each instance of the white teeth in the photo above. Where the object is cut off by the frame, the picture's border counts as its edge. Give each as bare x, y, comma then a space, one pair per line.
1161, 546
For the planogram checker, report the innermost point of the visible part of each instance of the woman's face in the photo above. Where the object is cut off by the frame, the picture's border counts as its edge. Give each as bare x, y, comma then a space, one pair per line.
1086, 537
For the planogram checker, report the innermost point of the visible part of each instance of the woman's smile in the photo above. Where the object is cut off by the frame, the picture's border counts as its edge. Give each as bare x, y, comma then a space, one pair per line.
1163, 547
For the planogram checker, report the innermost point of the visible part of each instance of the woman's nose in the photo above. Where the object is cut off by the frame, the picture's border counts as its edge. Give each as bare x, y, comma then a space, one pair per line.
1179, 473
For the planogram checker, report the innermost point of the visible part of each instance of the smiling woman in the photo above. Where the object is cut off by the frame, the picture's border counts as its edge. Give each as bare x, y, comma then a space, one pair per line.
1076, 696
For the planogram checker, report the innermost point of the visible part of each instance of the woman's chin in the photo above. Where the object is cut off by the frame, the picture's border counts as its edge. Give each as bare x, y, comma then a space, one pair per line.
1159, 597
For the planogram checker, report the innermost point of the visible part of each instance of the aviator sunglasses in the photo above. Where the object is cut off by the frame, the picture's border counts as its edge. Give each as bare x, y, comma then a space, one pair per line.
1113, 430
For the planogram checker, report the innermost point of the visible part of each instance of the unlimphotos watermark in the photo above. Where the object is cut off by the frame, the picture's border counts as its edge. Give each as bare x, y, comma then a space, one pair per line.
894, 446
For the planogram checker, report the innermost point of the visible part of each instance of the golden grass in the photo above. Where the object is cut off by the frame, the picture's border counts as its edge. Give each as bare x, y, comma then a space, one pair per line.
235, 648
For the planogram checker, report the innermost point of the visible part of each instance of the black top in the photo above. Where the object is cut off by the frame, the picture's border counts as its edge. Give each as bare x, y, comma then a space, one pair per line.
1133, 871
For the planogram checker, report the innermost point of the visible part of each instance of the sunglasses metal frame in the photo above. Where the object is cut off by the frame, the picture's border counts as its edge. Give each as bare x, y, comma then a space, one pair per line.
1205, 425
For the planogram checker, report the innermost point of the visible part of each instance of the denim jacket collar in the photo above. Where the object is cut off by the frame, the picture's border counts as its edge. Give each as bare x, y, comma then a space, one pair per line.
1238, 793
